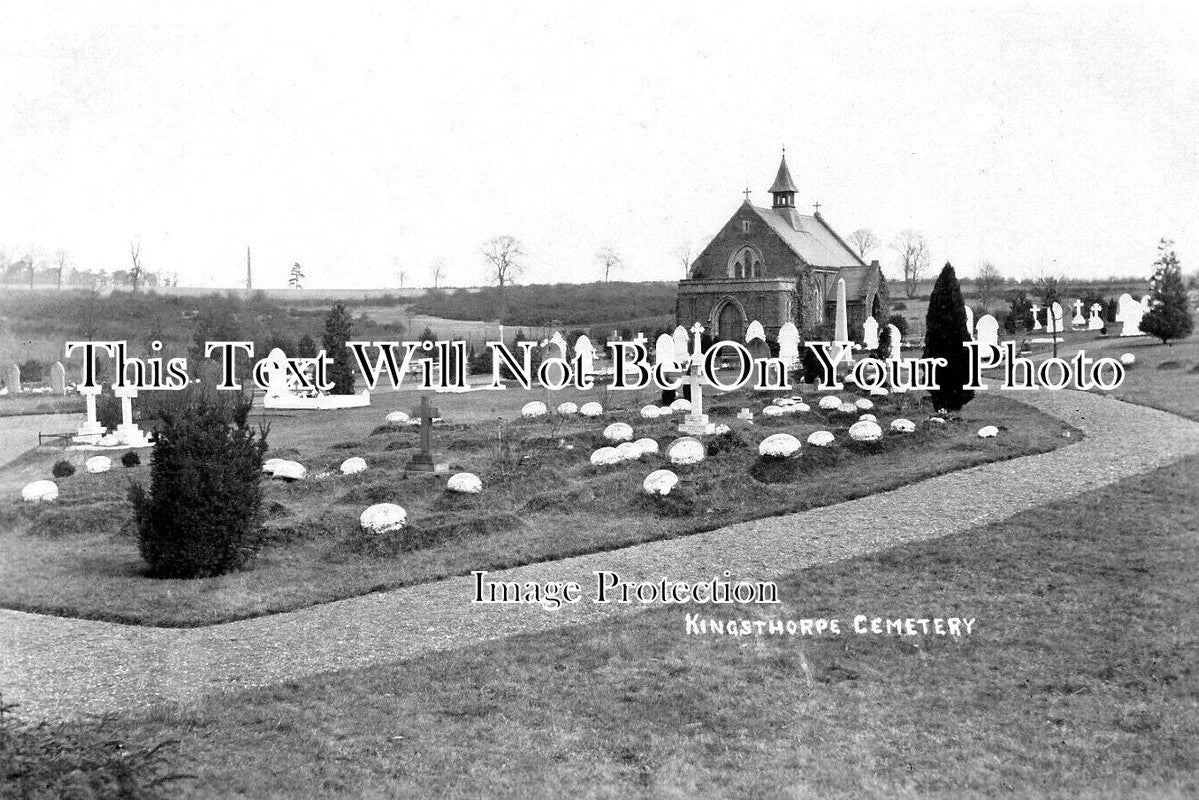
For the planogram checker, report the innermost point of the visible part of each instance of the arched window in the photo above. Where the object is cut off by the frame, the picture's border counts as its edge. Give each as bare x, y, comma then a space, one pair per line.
745, 263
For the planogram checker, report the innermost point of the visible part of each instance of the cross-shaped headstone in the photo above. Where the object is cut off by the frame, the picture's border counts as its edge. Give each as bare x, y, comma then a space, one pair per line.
423, 461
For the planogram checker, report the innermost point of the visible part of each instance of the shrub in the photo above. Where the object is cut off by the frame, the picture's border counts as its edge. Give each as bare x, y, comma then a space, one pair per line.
202, 514
63, 469
131, 459
945, 332
108, 409
32, 370
900, 322
78, 759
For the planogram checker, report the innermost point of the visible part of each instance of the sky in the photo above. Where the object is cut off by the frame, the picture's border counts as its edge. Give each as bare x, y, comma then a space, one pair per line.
358, 139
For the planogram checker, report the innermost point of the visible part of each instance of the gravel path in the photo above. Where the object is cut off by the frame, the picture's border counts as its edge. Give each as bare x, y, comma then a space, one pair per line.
63, 667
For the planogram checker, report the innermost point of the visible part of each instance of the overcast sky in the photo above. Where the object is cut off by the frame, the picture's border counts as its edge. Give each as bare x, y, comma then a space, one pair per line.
349, 136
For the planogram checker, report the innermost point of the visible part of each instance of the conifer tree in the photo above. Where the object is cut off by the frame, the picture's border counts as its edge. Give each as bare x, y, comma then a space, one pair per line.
202, 514
1169, 315
944, 335
339, 329
306, 348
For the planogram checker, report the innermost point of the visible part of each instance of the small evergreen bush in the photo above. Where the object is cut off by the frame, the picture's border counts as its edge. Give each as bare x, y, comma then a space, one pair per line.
63, 469
1169, 314
131, 459
202, 513
945, 333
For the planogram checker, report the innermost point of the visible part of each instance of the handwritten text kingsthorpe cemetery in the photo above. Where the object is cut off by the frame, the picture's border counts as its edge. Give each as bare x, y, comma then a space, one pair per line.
631, 367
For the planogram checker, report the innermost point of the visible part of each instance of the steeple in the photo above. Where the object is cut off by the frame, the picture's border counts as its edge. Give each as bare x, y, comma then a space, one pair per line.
783, 188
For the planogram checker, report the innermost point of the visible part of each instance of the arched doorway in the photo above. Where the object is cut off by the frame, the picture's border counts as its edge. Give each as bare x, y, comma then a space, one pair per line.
730, 324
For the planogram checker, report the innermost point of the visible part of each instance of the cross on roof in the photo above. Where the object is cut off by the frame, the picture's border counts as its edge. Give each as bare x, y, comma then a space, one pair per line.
746, 193
817, 207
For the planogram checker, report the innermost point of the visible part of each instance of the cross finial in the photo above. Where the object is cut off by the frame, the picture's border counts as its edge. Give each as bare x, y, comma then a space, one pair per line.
816, 205
746, 193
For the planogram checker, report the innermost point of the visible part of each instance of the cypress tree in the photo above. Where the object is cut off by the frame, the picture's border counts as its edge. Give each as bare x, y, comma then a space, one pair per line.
1169, 315
306, 348
944, 335
339, 329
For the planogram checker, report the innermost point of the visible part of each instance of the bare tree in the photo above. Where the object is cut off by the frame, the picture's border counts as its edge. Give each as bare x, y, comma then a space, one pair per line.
136, 270
989, 283
89, 315
610, 259
913, 257
399, 270
437, 270
61, 257
503, 255
863, 241
683, 255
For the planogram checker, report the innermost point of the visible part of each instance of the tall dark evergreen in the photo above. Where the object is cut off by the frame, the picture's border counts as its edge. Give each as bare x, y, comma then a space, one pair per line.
1169, 315
339, 329
202, 514
306, 348
944, 334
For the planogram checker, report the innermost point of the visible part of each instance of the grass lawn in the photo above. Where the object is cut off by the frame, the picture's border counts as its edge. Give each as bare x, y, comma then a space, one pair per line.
1079, 680
542, 500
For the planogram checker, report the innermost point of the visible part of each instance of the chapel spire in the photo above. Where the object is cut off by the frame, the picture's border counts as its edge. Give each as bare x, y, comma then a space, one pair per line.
783, 187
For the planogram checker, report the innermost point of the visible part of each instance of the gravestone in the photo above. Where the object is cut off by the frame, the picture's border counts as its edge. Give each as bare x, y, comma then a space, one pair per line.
586, 351
58, 378
680, 344
870, 333
754, 330
128, 432
696, 422
896, 342
1078, 321
12, 379
1095, 322
664, 350
789, 344
987, 330
90, 431
841, 326
424, 460
1036, 319
1146, 303
277, 383
970, 322
1054, 320
1129, 312
559, 341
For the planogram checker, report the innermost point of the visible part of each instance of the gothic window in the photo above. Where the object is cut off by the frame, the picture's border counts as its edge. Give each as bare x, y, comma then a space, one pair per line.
745, 263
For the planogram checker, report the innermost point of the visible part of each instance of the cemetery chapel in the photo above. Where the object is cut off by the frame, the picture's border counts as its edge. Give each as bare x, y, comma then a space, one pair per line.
775, 265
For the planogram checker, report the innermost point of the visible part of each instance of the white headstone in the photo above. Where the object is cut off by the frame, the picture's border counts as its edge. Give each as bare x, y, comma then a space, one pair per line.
970, 322
987, 330
1036, 320
12, 379
559, 341
1129, 312
1054, 323
275, 367
789, 344
664, 350
1078, 321
586, 351
841, 327
870, 333
58, 378
754, 330
1146, 303
896, 342
681, 342
1095, 322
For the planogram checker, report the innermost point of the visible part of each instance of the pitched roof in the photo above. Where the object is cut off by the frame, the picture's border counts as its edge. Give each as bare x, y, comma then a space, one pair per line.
782, 181
810, 238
